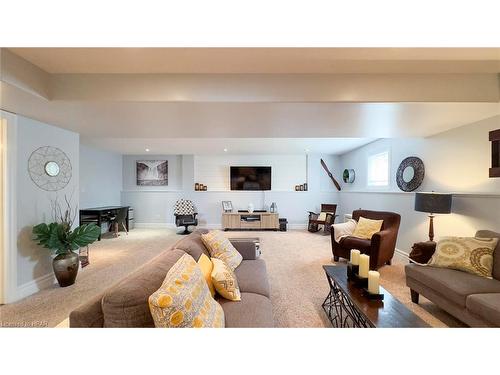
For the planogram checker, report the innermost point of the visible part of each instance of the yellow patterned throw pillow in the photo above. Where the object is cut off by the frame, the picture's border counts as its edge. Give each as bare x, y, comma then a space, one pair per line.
366, 228
219, 246
225, 281
184, 300
206, 267
468, 254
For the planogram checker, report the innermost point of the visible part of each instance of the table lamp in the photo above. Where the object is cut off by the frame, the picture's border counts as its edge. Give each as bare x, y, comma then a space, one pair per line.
433, 203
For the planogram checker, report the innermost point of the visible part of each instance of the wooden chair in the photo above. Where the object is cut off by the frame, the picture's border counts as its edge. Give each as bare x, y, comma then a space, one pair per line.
326, 218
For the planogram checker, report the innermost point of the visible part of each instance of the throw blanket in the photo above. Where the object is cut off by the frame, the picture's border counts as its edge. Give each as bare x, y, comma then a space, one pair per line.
343, 229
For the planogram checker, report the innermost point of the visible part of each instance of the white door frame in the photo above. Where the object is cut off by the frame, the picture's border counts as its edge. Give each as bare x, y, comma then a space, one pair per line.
8, 202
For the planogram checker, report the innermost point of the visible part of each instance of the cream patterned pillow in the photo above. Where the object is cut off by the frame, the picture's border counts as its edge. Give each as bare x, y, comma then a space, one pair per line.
366, 228
219, 246
468, 254
225, 281
184, 299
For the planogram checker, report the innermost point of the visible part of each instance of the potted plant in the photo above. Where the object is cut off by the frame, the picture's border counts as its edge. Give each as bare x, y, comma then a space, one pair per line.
60, 238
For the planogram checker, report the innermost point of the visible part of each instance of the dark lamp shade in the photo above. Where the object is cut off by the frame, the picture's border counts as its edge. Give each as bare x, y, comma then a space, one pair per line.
434, 203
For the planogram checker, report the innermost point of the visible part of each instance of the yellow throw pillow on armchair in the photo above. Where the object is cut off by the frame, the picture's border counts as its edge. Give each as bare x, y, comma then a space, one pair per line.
184, 300
366, 228
219, 246
225, 281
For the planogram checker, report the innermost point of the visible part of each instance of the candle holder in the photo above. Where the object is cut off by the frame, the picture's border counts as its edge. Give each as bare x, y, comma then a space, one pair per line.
360, 282
352, 269
371, 296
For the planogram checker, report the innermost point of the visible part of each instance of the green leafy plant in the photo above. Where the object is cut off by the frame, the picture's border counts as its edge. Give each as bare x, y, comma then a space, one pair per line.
60, 239
58, 235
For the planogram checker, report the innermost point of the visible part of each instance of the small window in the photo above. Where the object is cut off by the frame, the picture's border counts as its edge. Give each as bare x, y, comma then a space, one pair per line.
378, 169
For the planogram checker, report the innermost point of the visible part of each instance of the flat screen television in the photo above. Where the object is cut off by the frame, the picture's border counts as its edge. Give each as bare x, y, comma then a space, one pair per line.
250, 178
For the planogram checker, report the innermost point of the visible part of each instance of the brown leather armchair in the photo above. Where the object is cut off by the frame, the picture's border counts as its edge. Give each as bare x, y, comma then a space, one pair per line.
382, 244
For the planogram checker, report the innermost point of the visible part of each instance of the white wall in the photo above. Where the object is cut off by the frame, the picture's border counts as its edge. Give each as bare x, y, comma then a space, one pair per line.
34, 264
174, 173
100, 177
455, 161
286, 170
155, 207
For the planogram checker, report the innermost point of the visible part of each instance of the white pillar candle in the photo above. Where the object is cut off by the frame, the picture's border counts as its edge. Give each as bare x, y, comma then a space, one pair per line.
364, 265
355, 257
373, 282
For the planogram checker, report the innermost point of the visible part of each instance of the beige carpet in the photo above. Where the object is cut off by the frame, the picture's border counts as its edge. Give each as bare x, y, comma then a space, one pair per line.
110, 260
294, 260
298, 284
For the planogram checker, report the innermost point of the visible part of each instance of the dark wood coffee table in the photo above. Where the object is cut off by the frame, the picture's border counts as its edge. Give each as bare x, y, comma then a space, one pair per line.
347, 307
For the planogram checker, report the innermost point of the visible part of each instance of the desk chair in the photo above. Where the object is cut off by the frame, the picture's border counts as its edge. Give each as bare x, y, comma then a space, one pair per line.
185, 214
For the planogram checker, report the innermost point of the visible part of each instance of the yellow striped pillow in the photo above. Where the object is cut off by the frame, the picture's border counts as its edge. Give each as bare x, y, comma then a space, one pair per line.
184, 299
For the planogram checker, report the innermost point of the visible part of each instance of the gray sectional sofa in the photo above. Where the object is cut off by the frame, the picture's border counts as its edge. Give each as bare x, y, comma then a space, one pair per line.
474, 300
126, 303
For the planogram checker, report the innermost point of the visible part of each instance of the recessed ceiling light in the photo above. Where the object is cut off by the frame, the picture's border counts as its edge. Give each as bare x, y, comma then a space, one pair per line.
147, 150
225, 150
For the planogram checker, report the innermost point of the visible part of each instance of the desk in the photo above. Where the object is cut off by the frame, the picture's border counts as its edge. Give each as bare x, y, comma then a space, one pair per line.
95, 215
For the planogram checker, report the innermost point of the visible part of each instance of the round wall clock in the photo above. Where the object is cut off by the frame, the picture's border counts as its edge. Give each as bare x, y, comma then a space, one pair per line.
49, 168
349, 176
410, 173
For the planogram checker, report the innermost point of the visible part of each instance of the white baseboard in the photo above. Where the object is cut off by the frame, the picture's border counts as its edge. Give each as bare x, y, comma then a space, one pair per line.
154, 225
207, 226
402, 254
34, 286
297, 226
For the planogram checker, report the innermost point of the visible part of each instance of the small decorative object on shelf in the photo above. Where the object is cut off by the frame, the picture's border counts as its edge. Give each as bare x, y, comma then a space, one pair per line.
197, 187
305, 186
227, 206
205, 187
297, 188
301, 187
274, 208
348, 176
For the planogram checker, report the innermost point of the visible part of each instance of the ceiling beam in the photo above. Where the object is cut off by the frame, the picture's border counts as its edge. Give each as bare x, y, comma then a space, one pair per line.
354, 88
22, 74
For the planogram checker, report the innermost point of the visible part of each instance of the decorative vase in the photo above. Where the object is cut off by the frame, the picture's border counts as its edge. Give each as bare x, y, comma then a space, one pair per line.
250, 207
66, 268
274, 207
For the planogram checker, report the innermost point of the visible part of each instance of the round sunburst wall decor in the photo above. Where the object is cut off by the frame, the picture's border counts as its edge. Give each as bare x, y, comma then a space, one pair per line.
49, 168
410, 173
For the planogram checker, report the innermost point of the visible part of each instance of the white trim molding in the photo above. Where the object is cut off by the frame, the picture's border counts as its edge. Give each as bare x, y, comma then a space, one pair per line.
34, 286
9, 253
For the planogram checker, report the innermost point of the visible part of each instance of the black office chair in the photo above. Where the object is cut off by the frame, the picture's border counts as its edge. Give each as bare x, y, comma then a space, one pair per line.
118, 220
185, 215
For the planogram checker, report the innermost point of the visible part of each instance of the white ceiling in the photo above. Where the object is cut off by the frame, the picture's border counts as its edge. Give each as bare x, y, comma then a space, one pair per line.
246, 120
198, 146
263, 60
128, 117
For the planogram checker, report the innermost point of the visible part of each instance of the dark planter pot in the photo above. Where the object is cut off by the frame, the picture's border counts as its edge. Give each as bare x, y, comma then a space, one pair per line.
66, 268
